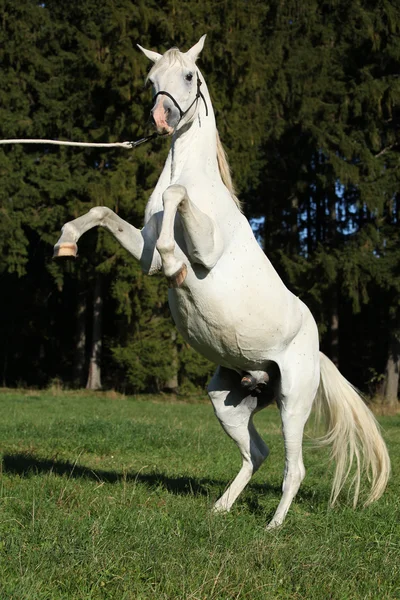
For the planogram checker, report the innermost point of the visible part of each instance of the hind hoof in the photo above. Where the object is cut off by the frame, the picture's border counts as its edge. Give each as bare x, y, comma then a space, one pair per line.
65, 249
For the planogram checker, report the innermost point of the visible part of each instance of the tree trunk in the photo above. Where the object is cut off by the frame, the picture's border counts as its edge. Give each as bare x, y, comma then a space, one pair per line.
391, 386
331, 238
80, 346
334, 326
172, 384
94, 376
309, 228
294, 229
5, 364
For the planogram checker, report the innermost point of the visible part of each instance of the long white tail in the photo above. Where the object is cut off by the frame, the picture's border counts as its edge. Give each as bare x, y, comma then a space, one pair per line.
354, 435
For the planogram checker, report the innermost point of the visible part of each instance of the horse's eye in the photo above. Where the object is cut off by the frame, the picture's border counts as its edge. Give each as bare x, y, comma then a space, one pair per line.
189, 77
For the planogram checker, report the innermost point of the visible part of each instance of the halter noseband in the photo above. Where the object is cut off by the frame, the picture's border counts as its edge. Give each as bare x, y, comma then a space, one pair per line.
182, 113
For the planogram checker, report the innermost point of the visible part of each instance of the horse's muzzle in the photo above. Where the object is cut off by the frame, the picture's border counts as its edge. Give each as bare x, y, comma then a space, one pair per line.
165, 116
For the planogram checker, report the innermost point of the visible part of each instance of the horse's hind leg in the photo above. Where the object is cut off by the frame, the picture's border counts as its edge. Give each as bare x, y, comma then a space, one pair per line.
234, 409
295, 404
293, 427
298, 384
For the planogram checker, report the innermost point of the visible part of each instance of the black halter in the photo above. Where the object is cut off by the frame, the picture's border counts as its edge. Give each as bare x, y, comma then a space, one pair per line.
181, 112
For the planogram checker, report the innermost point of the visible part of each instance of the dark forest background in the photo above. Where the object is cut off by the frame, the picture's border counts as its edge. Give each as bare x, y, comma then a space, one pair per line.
307, 99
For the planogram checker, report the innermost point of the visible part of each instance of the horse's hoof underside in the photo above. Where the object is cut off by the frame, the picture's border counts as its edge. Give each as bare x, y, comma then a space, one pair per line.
65, 249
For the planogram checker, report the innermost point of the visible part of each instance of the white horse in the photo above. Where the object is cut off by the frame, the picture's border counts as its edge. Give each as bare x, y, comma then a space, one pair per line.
263, 338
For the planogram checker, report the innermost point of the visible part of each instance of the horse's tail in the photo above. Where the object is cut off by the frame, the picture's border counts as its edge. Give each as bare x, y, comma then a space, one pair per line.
353, 433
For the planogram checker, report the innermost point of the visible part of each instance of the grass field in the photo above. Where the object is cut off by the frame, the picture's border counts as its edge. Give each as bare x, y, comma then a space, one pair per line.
107, 497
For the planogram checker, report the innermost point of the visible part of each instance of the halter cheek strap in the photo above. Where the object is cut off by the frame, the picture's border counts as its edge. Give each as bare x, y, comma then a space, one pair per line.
182, 113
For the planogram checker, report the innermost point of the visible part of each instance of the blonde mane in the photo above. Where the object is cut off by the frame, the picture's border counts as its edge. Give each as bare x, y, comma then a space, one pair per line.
225, 172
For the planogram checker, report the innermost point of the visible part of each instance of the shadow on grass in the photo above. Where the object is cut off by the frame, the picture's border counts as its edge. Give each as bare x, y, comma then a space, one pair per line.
26, 465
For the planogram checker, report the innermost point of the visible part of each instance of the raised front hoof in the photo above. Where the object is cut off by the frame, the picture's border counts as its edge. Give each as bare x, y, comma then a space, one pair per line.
66, 249
176, 280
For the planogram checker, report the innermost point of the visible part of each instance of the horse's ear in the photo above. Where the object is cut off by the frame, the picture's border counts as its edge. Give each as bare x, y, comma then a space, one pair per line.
154, 56
195, 50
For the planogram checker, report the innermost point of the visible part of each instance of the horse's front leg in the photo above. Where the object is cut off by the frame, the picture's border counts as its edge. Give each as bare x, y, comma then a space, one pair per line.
139, 243
202, 235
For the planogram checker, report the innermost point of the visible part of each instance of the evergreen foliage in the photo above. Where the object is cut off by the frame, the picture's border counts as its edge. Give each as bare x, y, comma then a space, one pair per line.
307, 102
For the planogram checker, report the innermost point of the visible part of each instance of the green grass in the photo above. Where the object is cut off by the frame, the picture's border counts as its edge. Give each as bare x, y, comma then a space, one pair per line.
109, 498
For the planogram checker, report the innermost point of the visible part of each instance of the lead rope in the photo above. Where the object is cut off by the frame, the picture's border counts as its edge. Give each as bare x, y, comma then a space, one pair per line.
128, 145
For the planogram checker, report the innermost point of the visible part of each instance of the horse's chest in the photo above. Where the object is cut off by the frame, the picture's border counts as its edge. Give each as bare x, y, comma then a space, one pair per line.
204, 326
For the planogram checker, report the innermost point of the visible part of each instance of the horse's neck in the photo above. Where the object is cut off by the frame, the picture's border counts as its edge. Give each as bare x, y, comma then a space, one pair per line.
155, 204
193, 149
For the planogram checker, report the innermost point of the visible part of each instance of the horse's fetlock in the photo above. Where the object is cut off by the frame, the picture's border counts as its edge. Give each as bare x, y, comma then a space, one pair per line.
69, 231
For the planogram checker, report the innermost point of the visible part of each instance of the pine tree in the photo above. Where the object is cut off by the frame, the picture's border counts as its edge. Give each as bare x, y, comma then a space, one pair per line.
306, 98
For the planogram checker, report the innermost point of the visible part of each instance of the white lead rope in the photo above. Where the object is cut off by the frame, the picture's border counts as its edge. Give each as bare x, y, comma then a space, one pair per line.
62, 143
128, 145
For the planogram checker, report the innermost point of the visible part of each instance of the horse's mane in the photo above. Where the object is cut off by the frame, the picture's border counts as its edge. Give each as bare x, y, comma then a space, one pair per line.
172, 55
225, 172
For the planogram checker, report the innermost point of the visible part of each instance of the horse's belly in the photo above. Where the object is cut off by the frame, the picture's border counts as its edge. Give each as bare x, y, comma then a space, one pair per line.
240, 334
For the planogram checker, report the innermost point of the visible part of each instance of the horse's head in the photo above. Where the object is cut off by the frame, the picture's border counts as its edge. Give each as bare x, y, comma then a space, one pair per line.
176, 84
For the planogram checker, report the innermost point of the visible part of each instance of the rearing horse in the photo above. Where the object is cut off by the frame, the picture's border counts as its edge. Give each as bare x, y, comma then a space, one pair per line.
196, 234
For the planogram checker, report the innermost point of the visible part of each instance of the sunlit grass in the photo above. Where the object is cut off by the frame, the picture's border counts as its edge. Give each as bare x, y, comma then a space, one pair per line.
109, 497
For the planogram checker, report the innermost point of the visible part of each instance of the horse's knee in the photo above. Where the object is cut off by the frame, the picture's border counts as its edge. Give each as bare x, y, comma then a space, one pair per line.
229, 416
217, 397
100, 212
174, 194
233, 409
